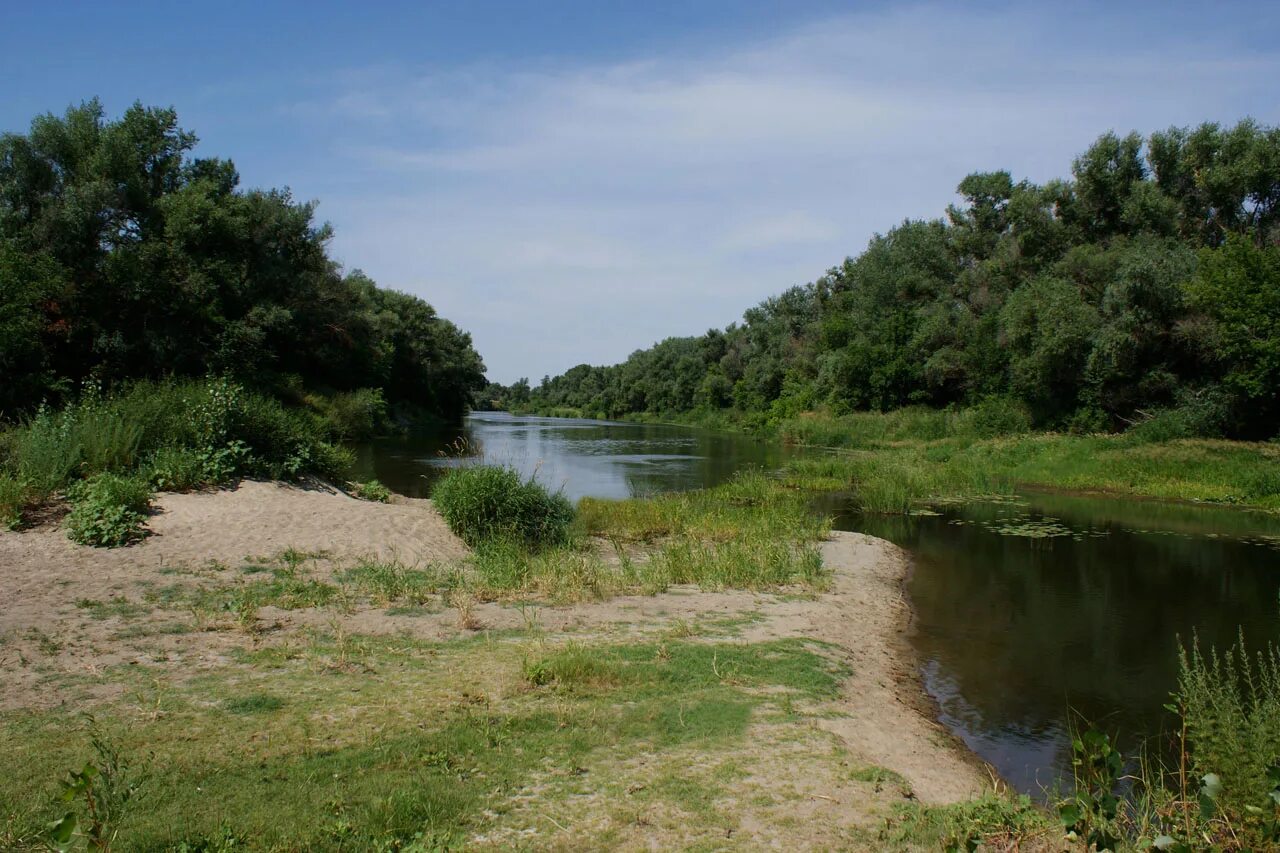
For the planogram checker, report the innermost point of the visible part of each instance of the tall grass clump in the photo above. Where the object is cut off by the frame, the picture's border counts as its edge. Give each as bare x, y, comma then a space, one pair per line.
108, 510
749, 502
486, 502
176, 434
753, 562
1230, 706
13, 496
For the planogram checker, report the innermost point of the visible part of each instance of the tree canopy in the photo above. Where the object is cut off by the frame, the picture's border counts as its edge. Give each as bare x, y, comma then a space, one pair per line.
1148, 282
123, 255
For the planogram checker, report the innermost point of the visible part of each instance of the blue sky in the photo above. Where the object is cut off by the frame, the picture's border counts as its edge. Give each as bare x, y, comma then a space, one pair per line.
573, 181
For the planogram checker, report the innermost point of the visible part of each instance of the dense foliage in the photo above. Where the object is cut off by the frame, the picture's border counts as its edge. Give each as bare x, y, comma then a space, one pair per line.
486, 502
123, 256
171, 435
1147, 284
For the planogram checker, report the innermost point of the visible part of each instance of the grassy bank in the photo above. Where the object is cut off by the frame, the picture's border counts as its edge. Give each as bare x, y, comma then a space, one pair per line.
892, 461
750, 533
243, 707
892, 474
172, 436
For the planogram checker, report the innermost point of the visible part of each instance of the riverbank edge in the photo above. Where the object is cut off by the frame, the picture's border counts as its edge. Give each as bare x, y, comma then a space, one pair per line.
1241, 475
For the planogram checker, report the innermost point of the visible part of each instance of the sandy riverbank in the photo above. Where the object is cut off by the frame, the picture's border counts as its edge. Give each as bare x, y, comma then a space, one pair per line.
57, 649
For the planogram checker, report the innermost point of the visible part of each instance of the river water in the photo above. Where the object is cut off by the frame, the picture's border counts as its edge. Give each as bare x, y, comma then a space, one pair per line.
1027, 610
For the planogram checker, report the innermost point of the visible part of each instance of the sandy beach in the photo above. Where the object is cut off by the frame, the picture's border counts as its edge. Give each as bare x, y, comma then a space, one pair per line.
57, 649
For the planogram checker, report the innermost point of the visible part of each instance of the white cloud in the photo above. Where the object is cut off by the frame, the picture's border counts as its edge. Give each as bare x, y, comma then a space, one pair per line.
574, 214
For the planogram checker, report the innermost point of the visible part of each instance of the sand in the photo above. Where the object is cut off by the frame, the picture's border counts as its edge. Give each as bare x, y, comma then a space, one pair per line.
886, 721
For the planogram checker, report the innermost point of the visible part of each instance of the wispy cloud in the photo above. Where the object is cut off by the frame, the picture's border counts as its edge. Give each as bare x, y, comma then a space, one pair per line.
575, 213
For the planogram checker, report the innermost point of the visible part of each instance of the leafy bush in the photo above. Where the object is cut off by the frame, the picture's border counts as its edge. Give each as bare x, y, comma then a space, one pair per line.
180, 469
994, 416
1196, 415
108, 510
13, 493
1230, 704
351, 414
371, 491
482, 502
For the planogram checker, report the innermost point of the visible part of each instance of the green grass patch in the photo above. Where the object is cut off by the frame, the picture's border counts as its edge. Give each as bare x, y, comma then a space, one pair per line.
394, 754
116, 607
388, 582
897, 477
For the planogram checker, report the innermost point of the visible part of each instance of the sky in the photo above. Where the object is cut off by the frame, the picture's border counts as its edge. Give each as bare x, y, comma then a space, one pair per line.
572, 181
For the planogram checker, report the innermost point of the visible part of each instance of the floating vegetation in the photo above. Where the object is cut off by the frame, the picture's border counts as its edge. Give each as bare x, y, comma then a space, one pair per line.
1026, 526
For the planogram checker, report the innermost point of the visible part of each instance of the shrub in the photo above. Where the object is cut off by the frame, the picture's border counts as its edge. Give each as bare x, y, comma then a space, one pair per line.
180, 469
482, 502
1198, 414
993, 417
13, 494
371, 491
108, 510
1230, 705
351, 414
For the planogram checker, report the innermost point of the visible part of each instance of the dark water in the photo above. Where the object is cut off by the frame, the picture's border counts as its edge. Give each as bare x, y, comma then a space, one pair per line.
582, 457
1024, 609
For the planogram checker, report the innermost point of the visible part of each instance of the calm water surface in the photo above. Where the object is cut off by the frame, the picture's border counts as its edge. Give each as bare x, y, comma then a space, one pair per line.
1024, 609
583, 457
1027, 609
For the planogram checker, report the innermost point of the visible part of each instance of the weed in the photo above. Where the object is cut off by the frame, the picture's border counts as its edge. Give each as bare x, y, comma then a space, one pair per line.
389, 582
105, 785
256, 703
108, 510
483, 502
371, 490
117, 607
13, 497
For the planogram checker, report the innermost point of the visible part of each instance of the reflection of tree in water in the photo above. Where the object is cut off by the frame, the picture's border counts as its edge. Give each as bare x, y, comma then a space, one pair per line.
1028, 628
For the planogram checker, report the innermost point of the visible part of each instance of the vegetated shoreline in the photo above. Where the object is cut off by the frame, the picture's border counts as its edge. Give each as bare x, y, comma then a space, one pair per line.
862, 619
924, 460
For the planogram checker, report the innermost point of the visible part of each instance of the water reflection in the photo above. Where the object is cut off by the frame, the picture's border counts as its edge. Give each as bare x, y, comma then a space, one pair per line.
582, 457
1016, 625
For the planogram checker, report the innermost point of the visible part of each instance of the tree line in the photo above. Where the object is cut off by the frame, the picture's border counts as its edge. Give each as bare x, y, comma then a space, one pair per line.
1146, 285
124, 256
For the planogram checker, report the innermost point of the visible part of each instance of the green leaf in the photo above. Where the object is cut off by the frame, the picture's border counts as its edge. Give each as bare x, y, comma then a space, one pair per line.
1164, 842
1069, 814
62, 830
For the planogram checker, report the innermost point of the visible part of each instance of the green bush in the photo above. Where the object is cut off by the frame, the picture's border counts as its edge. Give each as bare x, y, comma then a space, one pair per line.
179, 469
13, 494
993, 417
351, 414
1230, 705
481, 502
371, 491
1195, 416
108, 510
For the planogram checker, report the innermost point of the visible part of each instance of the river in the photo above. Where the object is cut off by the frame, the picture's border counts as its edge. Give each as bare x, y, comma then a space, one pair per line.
1027, 610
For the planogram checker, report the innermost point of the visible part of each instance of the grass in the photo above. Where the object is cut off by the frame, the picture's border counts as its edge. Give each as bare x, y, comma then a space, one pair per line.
894, 476
751, 503
395, 754
485, 502
387, 582
173, 435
